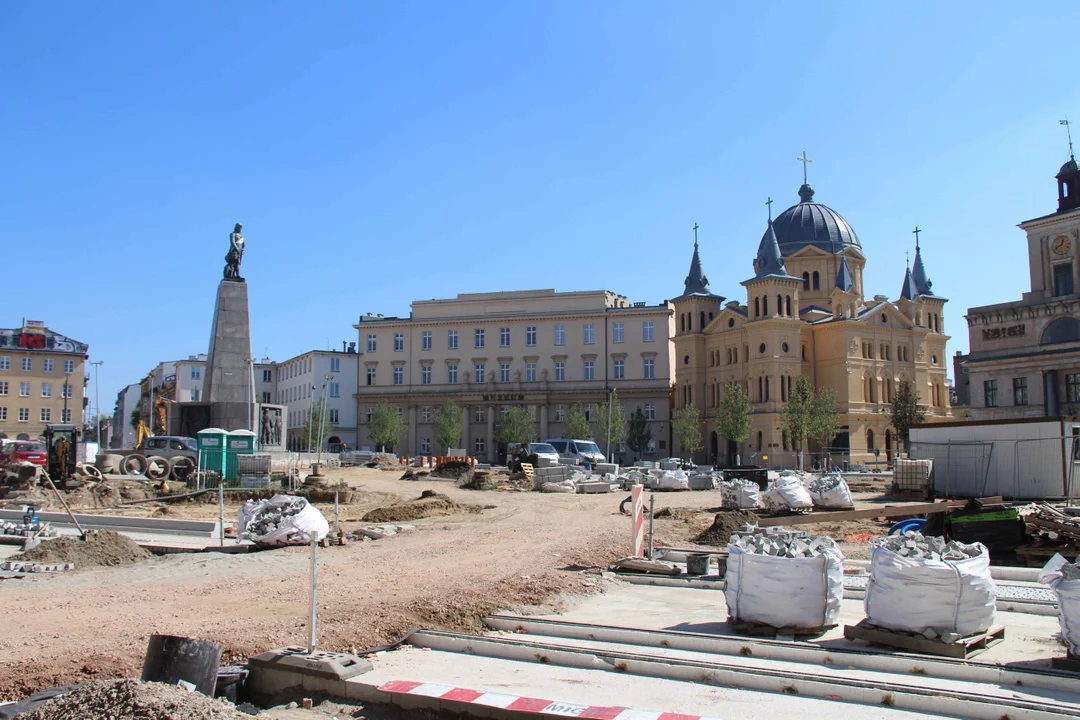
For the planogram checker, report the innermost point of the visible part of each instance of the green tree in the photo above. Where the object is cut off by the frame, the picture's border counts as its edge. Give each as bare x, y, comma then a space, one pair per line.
905, 411
447, 424
733, 420
516, 426
617, 417
687, 428
825, 418
317, 426
799, 415
577, 426
386, 427
638, 435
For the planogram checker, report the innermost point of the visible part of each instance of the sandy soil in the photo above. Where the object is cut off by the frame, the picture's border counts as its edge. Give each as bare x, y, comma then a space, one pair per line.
526, 550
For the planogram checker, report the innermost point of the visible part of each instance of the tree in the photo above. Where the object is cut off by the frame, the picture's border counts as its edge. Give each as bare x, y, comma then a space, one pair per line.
577, 426
687, 428
638, 435
386, 426
733, 420
617, 417
825, 418
447, 424
905, 411
134, 418
317, 426
799, 414
516, 426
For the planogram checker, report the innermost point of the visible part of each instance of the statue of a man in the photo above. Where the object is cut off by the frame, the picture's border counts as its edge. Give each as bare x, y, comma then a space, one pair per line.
235, 254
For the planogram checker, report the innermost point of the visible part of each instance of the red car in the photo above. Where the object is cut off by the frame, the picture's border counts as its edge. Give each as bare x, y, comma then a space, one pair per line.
26, 451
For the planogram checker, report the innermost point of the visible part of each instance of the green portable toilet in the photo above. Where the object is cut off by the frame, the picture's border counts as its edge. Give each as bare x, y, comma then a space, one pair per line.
212, 451
240, 442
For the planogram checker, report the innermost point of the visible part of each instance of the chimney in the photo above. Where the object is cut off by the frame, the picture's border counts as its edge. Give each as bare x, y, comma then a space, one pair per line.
343, 345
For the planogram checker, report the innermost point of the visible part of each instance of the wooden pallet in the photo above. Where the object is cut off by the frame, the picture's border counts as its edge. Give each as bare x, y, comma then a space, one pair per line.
529, 471
963, 648
1037, 556
1070, 663
757, 629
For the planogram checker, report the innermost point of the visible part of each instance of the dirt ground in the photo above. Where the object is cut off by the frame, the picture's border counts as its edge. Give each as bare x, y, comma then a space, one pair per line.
524, 550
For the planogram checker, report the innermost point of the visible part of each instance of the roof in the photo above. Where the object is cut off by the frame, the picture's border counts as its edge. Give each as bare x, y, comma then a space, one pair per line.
907, 292
769, 262
918, 274
696, 283
811, 223
844, 281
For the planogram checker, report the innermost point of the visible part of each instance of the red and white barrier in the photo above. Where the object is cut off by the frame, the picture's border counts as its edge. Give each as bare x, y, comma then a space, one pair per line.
638, 515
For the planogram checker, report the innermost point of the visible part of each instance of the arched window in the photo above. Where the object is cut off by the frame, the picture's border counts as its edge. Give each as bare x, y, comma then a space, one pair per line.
682, 322
870, 440
746, 353
702, 326
779, 305
766, 389
759, 439
787, 303
1062, 330
783, 389
806, 281
817, 280
757, 308
765, 305
689, 322
710, 317
760, 390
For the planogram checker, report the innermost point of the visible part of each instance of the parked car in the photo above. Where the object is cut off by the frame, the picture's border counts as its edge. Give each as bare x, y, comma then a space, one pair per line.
579, 451
536, 448
171, 446
29, 451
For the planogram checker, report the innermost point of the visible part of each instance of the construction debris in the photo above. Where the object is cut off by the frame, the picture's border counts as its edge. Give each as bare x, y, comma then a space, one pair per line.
26, 567
915, 545
787, 493
1064, 578
100, 548
281, 520
725, 524
429, 504
133, 700
739, 493
783, 544
829, 491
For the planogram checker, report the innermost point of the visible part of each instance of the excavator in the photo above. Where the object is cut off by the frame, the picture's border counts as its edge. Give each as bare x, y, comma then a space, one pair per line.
61, 442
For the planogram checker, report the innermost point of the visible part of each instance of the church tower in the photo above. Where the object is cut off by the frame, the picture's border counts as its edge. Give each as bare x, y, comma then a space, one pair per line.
694, 310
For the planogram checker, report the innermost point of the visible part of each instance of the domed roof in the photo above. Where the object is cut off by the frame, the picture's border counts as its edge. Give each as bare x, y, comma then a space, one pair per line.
1069, 167
811, 223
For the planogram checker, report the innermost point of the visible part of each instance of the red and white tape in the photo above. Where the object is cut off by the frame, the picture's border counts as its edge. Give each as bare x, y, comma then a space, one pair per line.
535, 706
638, 549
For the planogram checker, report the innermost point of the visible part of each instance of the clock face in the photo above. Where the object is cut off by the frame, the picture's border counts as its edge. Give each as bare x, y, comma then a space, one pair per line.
1061, 244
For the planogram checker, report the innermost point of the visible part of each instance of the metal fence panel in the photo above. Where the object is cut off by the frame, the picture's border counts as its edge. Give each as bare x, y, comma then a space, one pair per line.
960, 468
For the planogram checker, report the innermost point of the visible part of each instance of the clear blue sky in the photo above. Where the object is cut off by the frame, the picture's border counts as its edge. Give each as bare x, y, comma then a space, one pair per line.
378, 153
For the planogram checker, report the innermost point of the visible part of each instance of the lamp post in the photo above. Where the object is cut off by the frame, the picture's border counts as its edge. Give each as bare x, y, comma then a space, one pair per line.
323, 413
97, 400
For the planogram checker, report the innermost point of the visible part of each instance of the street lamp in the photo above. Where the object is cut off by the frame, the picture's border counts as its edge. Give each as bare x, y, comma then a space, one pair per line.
97, 401
323, 413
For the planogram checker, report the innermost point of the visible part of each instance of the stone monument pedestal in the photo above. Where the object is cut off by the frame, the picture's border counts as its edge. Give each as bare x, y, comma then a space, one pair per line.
229, 388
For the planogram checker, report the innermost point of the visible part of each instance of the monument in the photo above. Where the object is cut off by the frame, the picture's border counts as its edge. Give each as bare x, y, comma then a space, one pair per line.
229, 387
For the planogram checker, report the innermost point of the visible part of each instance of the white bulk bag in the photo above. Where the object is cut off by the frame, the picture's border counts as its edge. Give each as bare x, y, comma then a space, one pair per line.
787, 492
834, 497
784, 592
674, 480
295, 529
947, 596
1068, 597
739, 494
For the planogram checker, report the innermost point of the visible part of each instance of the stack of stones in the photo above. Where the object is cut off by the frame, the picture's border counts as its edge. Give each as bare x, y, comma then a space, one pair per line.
783, 543
915, 545
825, 483
1071, 571
272, 517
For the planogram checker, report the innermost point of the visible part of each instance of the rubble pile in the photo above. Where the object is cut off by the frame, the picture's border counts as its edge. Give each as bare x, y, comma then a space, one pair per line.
726, 524
1070, 571
829, 491
272, 517
133, 699
25, 530
787, 493
281, 520
783, 544
915, 545
1049, 527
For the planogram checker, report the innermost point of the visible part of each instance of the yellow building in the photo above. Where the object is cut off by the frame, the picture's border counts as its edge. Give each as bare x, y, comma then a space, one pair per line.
806, 313
41, 380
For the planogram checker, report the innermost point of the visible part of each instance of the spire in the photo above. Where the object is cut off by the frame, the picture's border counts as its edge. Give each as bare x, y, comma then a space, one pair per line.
918, 272
844, 280
696, 283
907, 292
769, 260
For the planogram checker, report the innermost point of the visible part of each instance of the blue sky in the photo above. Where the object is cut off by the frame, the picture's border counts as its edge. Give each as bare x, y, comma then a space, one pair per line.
378, 153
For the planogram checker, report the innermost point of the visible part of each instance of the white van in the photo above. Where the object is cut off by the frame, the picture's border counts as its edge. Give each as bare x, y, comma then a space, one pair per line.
580, 451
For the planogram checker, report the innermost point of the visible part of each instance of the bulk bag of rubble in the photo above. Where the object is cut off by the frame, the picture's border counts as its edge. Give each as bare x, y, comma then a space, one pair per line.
920, 584
281, 520
787, 493
1064, 578
674, 480
783, 580
739, 494
829, 491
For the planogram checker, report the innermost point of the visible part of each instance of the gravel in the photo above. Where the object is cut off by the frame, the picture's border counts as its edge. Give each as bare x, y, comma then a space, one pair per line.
133, 700
784, 544
915, 545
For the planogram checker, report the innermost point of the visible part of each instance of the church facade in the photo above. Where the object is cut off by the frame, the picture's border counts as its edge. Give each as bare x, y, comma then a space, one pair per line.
806, 312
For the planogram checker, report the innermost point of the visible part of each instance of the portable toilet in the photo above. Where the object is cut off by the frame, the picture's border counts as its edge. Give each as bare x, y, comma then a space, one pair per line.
240, 442
211, 442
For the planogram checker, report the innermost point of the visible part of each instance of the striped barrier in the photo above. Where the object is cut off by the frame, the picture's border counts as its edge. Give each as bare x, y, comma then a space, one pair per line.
638, 515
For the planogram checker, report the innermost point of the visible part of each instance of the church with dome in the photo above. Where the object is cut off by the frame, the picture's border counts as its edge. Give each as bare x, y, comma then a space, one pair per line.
806, 312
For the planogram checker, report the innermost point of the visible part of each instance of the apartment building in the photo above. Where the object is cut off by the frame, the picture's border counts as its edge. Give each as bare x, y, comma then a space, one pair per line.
304, 380
542, 349
42, 380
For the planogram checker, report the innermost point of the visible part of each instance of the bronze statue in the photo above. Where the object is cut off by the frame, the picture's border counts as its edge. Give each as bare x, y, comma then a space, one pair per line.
235, 254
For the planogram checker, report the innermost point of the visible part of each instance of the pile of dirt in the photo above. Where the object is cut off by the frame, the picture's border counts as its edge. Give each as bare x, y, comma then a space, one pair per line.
724, 525
461, 472
384, 462
429, 504
133, 700
325, 494
415, 474
479, 481
101, 547
677, 513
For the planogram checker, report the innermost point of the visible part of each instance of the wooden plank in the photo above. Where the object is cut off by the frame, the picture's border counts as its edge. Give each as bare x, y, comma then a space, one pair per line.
963, 648
1064, 529
885, 511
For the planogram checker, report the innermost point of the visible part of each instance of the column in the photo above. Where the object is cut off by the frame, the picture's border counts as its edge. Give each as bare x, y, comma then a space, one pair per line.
543, 422
411, 448
490, 442
466, 417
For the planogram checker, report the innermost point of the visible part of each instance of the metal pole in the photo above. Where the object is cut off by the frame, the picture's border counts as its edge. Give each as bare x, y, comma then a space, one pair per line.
67, 383
252, 387
311, 412
221, 509
97, 401
150, 414
337, 524
314, 589
82, 533
652, 507
611, 456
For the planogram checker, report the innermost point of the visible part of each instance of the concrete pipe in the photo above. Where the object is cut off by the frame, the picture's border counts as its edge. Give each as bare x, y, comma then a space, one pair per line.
133, 464
109, 462
90, 471
157, 468
182, 466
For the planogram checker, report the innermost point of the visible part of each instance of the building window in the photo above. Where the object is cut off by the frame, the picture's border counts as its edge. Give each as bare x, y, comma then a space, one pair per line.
425, 445
3, 414
195, 395
425, 414
530, 336
1020, 396
45, 415
618, 332
3, 387
650, 411
478, 446
46, 365
46, 390
371, 343
335, 366
1063, 279
990, 393
647, 331
589, 333
757, 307
560, 334
5, 363
806, 281
451, 374
478, 373
478, 338
24, 414
451, 339
27, 364
69, 366
560, 413
399, 376
399, 342
560, 370
504, 372
65, 415
530, 372
425, 375
335, 389
371, 376
1072, 388
504, 337
24, 389
367, 414
590, 367
425, 340
650, 369
817, 285
335, 417
620, 370
266, 396
478, 415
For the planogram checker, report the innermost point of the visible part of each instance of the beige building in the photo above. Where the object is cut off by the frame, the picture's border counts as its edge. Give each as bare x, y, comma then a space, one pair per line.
806, 312
542, 349
42, 380
1024, 358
